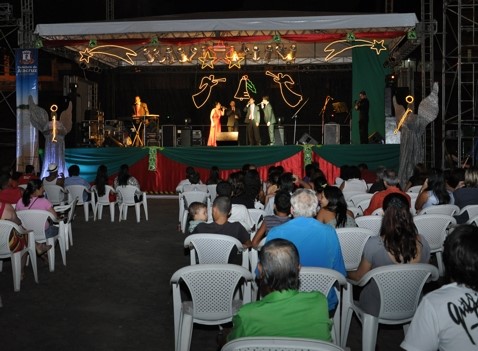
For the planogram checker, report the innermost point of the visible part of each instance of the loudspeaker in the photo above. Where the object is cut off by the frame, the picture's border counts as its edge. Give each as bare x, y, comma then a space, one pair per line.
197, 138
227, 138
279, 135
376, 138
307, 139
186, 136
332, 133
168, 135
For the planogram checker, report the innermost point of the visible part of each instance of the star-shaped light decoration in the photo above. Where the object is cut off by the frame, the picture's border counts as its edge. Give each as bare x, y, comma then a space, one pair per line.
119, 52
378, 46
207, 59
233, 58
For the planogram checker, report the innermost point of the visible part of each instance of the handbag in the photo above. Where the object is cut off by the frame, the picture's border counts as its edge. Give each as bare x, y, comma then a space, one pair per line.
17, 241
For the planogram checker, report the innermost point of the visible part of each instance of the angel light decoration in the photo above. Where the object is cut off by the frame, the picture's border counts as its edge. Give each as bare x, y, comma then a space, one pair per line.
54, 132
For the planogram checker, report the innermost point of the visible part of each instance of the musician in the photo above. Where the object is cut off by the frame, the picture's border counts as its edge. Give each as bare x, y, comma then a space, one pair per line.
252, 120
139, 108
362, 106
233, 116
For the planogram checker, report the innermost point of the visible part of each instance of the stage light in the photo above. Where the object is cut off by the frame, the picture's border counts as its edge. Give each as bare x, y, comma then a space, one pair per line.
256, 54
268, 53
148, 55
290, 57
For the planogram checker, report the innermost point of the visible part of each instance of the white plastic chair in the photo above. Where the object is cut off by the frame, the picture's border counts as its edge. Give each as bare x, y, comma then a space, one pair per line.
76, 191
472, 211
274, 343
240, 213
211, 189
207, 248
104, 200
352, 242
257, 216
349, 194
16, 257
363, 205
355, 199
212, 288
445, 209
56, 194
371, 222
126, 193
355, 210
414, 189
473, 220
187, 198
324, 280
435, 228
377, 212
35, 220
67, 222
400, 288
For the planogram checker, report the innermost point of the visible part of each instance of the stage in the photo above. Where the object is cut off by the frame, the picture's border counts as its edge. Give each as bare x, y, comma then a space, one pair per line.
159, 169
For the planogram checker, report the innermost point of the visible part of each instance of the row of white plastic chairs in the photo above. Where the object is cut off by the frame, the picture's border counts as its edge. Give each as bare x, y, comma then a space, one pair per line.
59, 195
210, 252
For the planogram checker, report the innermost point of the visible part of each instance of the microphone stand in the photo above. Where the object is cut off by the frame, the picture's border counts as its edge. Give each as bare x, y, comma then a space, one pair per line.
294, 117
322, 112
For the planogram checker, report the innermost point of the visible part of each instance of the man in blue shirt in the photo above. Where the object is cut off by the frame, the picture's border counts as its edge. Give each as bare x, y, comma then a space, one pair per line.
75, 179
317, 243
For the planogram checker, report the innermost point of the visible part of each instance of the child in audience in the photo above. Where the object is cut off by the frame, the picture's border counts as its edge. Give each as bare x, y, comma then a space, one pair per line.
197, 214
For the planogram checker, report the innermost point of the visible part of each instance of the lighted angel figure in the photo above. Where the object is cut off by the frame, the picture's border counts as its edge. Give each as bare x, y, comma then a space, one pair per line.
54, 132
411, 132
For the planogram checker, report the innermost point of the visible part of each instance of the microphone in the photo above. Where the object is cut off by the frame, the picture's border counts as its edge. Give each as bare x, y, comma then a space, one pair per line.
330, 97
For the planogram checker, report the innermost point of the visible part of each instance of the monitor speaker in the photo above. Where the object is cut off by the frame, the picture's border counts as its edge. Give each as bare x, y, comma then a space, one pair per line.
332, 133
186, 136
168, 135
227, 138
279, 135
376, 138
307, 139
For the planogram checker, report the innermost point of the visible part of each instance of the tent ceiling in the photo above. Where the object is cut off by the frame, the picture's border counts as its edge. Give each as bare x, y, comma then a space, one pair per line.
310, 34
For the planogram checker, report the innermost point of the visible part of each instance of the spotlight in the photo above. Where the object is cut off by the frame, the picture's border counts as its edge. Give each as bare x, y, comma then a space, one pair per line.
148, 55
268, 53
256, 54
183, 57
290, 57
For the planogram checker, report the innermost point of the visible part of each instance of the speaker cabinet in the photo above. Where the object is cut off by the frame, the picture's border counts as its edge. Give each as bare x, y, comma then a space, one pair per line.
227, 138
186, 136
168, 135
332, 133
376, 138
197, 137
279, 135
307, 139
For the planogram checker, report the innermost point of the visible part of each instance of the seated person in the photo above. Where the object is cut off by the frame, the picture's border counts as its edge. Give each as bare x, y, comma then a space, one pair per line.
9, 193
353, 180
283, 310
467, 195
434, 191
180, 186
239, 213
221, 208
197, 214
54, 177
29, 174
195, 183
333, 208
75, 179
446, 318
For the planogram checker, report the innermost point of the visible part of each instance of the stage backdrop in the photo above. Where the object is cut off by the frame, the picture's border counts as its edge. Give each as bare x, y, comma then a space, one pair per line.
159, 170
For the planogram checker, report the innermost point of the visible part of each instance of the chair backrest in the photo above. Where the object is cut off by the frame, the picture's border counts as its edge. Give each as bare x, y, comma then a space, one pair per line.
320, 279
211, 189
473, 220
400, 287
355, 199
352, 241
414, 189
127, 193
363, 205
212, 288
35, 220
275, 343
195, 187
208, 248
355, 210
193, 196
76, 191
105, 198
434, 227
5, 231
371, 222
472, 210
54, 193
349, 194
257, 216
446, 209
378, 212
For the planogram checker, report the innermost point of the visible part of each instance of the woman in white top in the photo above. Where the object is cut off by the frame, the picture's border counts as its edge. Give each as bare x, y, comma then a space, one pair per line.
352, 180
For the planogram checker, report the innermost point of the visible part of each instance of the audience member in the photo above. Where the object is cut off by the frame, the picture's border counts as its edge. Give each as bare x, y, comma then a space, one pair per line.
221, 209
280, 216
377, 184
53, 176
420, 173
253, 186
283, 310
367, 175
8, 193
101, 180
317, 243
455, 178
391, 182
447, 318
239, 194
214, 176
197, 213
179, 187
467, 195
195, 183
353, 181
434, 191
239, 213
124, 178
27, 175
399, 242
75, 179
333, 208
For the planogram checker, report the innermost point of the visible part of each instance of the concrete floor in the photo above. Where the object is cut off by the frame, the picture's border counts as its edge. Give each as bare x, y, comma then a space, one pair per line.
114, 293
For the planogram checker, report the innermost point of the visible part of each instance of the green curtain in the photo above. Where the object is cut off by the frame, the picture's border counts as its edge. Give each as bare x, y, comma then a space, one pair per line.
369, 74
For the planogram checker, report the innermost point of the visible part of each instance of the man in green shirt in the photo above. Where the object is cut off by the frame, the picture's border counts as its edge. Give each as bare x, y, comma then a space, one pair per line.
283, 310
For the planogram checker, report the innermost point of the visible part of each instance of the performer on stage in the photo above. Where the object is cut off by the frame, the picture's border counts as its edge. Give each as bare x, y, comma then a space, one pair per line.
233, 116
363, 107
139, 108
215, 129
269, 118
253, 118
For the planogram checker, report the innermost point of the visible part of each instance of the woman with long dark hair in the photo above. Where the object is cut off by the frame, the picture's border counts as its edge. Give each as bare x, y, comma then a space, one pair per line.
434, 191
333, 208
124, 178
101, 181
398, 243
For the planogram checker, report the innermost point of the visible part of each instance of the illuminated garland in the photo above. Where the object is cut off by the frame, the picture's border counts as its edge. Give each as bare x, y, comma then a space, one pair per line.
335, 48
409, 99
205, 88
107, 50
53, 110
286, 85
